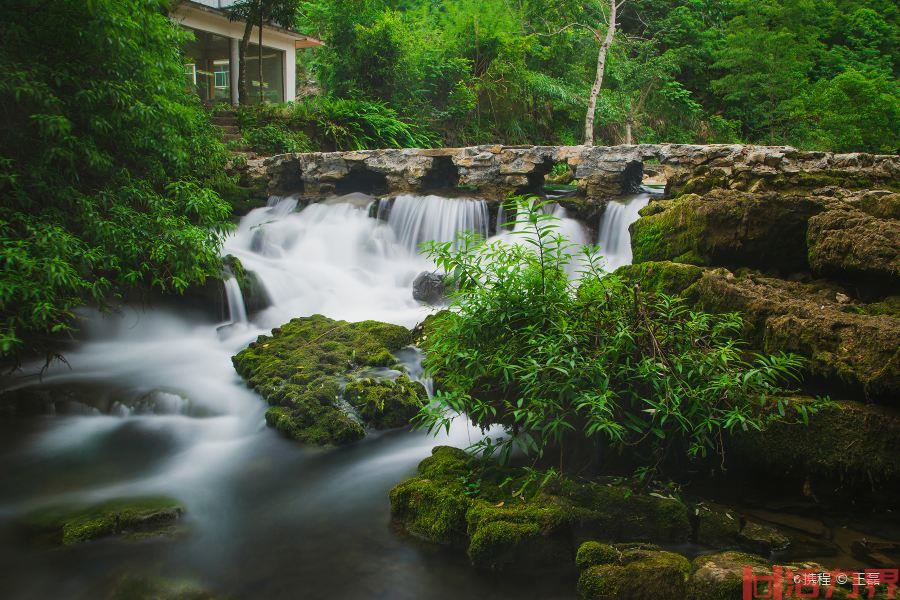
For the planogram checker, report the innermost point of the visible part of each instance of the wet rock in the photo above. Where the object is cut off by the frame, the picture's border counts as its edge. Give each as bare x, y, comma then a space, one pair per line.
143, 587
762, 539
429, 287
855, 349
301, 370
717, 527
593, 553
386, 403
720, 576
128, 517
846, 445
849, 244
728, 228
449, 503
637, 575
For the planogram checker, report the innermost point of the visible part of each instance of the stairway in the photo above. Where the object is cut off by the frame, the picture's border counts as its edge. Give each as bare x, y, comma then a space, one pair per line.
226, 120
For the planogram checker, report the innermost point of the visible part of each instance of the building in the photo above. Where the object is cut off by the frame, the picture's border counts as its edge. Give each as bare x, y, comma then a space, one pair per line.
212, 58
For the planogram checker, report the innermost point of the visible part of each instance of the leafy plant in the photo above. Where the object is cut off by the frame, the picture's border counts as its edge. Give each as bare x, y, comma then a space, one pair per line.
275, 139
567, 365
107, 164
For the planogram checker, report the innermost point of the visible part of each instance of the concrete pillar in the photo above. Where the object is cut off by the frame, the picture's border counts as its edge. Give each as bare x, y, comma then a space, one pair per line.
290, 75
233, 69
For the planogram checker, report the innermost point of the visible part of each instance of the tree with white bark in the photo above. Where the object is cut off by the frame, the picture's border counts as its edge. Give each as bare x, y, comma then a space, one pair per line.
601, 69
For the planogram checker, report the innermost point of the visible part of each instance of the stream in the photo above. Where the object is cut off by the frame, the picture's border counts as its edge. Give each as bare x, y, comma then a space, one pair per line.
156, 408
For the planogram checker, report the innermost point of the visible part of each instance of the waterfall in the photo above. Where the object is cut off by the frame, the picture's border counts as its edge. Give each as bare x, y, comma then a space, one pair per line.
236, 310
613, 237
417, 219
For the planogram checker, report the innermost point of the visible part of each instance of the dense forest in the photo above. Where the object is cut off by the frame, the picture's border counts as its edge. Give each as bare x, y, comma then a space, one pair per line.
816, 74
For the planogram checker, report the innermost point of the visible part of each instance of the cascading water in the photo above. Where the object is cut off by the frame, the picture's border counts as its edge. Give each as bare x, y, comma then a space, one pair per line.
160, 410
237, 312
613, 236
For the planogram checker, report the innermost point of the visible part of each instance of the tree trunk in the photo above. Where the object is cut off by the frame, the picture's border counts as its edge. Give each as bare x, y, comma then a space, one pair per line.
260, 56
243, 92
598, 80
628, 125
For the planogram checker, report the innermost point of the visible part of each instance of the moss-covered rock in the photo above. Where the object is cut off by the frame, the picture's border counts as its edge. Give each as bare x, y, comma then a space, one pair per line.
720, 576
130, 517
762, 539
593, 553
848, 243
142, 587
717, 527
661, 276
639, 574
854, 350
433, 505
845, 444
302, 368
730, 228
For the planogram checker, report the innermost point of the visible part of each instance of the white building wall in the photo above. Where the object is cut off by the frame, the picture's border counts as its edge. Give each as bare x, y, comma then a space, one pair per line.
204, 20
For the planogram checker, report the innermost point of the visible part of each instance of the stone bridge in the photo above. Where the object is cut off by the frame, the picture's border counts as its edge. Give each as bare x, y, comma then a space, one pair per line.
493, 171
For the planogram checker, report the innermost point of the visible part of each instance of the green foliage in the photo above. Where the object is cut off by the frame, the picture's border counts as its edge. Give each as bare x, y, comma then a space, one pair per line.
564, 363
106, 163
329, 124
679, 71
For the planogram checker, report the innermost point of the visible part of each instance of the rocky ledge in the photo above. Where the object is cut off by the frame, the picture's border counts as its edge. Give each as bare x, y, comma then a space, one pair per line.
493, 171
327, 381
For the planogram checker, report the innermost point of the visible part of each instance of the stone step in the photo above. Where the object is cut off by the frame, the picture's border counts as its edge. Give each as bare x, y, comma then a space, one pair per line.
218, 120
230, 128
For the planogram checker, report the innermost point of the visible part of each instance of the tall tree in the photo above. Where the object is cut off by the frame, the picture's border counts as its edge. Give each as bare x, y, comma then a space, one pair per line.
256, 13
598, 78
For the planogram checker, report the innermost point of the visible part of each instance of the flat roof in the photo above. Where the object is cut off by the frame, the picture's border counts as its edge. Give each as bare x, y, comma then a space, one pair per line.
300, 40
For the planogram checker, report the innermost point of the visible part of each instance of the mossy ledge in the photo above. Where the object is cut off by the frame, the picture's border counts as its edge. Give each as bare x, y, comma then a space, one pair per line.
313, 373
448, 503
71, 524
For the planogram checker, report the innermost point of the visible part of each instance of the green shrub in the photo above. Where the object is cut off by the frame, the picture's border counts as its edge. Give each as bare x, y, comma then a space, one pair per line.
275, 139
566, 364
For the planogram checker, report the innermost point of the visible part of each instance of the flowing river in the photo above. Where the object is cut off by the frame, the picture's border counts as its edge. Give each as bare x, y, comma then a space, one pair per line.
158, 409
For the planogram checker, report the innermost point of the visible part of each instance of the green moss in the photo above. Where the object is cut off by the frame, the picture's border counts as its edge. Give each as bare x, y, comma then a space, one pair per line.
717, 528
255, 296
433, 509
445, 462
301, 369
73, 524
385, 403
720, 576
672, 230
662, 277
594, 553
845, 444
641, 574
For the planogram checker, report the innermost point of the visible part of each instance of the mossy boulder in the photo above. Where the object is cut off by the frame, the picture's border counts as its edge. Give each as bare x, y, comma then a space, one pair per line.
303, 367
729, 228
845, 446
128, 517
143, 587
717, 527
849, 350
664, 277
762, 539
847, 243
433, 505
593, 553
638, 574
459, 502
720, 576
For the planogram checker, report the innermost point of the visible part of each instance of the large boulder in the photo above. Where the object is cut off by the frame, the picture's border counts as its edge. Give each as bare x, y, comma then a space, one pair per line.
858, 240
303, 368
728, 228
634, 574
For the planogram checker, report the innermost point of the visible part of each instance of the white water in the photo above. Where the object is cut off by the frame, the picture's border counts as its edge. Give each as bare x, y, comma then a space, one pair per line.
185, 424
613, 236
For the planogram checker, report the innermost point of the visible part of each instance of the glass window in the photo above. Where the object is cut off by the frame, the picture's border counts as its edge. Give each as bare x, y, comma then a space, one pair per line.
190, 73
221, 72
